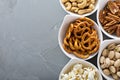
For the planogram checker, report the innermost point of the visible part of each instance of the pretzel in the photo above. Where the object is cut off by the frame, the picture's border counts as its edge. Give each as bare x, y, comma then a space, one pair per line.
67, 48
81, 55
109, 17
94, 45
78, 45
90, 22
81, 38
86, 41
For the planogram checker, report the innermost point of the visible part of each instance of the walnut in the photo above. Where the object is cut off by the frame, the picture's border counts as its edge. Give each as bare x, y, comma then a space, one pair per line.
113, 7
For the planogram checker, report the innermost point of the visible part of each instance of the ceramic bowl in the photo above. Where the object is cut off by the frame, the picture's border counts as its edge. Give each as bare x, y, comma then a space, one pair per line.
62, 31
87, 14
102, 4
104, 44
72, 62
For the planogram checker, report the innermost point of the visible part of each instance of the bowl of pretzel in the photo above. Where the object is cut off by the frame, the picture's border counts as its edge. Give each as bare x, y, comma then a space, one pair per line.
108, 17
79, 37
79, 7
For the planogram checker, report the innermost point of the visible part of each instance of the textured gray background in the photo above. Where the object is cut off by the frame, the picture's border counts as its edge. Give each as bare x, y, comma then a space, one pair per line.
28, 40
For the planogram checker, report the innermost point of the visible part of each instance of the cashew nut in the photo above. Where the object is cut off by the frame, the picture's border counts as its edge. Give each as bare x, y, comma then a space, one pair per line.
91, 6
88, 3
74, 9
79, 1
82, 4
93, 1
74, 4
64, 1
84, 11
73, 0
68, 5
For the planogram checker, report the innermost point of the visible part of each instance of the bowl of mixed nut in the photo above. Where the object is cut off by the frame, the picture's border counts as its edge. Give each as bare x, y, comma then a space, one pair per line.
108, 17
108, 59
79, 7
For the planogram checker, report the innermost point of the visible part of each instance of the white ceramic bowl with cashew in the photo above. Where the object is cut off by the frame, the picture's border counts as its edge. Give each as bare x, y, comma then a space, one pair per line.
78, 11
102, 4
106, 61
85, 64
62, 31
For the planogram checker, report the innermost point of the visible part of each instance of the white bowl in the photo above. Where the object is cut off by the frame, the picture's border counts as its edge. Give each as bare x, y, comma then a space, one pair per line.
102, 4
104, 44
67, 20
87, 14
84, 63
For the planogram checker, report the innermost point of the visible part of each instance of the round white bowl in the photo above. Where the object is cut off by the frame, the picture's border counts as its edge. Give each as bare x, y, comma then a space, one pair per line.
102, 4
104, 44
87, 14
84, 63
62, 31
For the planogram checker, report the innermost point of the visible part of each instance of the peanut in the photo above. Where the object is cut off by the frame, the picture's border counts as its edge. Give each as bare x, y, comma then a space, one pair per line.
117, 63
105, 53
111, 54
102, 58
117, 55
112, 69
106, 72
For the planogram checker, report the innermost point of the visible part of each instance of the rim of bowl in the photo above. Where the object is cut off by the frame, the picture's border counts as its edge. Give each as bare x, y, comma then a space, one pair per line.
72, 56
75, 61
101, 27
86, 14
106, 43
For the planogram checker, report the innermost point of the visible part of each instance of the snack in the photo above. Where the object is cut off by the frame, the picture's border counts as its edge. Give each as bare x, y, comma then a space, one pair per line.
79, 6
81, 38
79, 72
110, 60
110, 17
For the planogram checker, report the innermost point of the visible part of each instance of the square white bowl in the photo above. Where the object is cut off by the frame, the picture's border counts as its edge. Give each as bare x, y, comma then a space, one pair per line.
62, 31
72, 62
102, 4
75, 14
104, 44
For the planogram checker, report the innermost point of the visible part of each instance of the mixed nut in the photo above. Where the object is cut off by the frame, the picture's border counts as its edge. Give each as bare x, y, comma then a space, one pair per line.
110, 60
110, 17
79, 6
